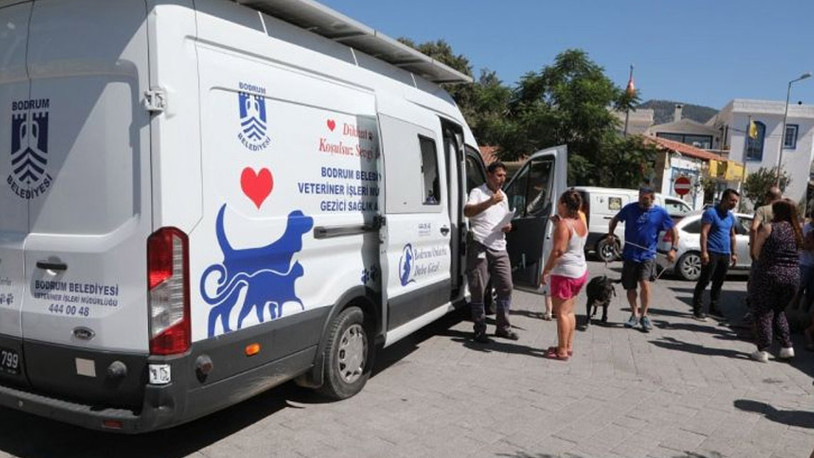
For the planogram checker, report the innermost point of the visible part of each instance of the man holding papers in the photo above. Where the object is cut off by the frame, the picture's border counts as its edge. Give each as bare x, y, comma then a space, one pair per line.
490, 218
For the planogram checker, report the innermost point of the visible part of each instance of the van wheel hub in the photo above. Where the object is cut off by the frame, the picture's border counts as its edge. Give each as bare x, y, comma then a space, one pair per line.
352, 353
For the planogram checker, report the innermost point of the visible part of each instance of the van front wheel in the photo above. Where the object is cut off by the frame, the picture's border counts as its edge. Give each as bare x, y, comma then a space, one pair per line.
347, 355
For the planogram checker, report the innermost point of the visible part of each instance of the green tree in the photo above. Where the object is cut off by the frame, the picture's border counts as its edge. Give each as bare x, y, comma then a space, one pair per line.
484, 104
756, 184
569, 103
624, 162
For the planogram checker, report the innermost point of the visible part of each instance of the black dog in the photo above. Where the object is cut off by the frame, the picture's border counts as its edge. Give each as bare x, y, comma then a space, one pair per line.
600, 290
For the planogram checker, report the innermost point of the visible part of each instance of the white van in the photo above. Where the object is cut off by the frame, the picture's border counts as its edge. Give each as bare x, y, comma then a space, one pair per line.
202, 200
604, 203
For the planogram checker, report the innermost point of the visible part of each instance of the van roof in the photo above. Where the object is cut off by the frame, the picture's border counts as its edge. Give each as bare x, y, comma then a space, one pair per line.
318, 18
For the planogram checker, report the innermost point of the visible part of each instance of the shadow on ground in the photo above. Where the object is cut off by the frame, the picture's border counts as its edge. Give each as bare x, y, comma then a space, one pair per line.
26, 435
799, 418
671, 343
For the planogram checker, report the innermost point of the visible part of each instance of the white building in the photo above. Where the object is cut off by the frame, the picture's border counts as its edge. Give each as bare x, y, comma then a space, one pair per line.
798, 148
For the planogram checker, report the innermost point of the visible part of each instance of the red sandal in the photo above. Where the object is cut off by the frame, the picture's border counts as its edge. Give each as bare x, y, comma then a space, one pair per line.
551, 353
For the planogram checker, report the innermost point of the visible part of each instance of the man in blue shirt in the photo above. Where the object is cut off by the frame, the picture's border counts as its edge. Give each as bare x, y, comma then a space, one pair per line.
717, 252
643, 222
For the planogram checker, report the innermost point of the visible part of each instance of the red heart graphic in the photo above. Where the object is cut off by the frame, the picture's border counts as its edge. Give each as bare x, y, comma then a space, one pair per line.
257, 186
331, 124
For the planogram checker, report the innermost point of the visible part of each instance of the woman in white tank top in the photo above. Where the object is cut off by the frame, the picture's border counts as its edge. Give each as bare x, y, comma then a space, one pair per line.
566, 271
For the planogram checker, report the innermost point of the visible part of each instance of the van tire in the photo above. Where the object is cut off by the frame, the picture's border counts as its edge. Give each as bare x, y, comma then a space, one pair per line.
348, 355
607, 249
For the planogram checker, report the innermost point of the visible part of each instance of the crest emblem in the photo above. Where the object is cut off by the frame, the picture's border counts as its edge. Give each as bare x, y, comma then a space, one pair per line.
29, 148
253, 128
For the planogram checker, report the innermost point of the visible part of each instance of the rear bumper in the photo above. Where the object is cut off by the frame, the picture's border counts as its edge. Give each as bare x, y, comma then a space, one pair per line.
164, 406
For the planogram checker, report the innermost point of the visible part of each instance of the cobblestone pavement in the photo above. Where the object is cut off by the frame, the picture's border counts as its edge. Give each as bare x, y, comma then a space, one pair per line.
686, 389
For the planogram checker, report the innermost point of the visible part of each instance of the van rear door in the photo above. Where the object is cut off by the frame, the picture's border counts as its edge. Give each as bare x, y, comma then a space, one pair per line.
14, 224
90, 208
533, 192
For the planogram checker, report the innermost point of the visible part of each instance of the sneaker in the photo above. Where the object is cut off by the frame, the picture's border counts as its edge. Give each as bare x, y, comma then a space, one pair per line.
699, 316
760, 356
786, 353
632, 322
647, 326
506, 334
715, 312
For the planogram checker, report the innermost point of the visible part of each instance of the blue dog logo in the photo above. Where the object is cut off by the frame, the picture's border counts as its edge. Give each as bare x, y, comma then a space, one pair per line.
264, 273
406, 265
253, 125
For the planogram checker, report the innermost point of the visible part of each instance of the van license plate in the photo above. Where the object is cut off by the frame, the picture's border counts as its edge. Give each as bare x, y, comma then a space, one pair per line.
9, 361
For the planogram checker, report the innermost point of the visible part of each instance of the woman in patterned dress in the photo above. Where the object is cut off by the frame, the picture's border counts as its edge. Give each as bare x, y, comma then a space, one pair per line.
776, 278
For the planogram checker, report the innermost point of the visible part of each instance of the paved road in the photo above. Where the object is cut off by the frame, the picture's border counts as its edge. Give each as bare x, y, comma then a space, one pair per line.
687, 389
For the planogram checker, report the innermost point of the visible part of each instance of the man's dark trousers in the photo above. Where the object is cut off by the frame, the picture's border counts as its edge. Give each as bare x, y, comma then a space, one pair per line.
716, 269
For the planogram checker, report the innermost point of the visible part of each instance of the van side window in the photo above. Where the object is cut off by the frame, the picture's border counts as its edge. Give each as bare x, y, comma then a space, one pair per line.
429, 170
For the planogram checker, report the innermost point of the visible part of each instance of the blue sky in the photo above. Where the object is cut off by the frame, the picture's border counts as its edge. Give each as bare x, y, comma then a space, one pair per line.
692, 51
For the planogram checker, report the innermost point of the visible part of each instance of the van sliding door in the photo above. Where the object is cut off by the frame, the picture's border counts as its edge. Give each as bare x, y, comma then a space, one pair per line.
415, 255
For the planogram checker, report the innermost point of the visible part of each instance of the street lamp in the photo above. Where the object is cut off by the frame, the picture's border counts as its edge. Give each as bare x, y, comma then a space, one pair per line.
783, 132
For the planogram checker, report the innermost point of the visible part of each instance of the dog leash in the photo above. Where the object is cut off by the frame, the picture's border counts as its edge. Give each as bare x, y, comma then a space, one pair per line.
650, 250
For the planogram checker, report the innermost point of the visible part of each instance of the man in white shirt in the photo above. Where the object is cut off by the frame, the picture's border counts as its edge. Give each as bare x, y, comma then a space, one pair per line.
486, 209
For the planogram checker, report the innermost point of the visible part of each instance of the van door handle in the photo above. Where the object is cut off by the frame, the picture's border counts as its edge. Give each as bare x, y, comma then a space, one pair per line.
45, 265
444, 230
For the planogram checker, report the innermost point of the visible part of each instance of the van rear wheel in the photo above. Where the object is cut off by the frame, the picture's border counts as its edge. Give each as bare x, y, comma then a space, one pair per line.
608, 249
348, 355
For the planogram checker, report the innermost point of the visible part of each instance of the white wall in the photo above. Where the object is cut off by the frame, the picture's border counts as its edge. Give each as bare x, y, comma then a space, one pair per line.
796, 162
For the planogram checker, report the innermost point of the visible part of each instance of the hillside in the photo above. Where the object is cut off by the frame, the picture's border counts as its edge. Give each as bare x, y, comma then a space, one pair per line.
663, 111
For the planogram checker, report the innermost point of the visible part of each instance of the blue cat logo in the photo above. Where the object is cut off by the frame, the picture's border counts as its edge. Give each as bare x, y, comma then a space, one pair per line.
265, 273
406, 265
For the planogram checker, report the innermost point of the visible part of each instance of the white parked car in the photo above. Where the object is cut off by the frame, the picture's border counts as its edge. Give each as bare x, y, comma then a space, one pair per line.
688, 254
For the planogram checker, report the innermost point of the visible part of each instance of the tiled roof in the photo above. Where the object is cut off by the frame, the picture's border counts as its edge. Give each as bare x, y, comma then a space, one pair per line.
488, 154
683, 148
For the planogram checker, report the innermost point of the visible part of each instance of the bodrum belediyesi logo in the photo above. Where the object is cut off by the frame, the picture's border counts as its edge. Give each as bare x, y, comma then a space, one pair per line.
29, 148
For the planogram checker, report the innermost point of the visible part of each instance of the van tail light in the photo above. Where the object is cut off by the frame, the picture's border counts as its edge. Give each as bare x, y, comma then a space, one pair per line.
668, 237
168, 291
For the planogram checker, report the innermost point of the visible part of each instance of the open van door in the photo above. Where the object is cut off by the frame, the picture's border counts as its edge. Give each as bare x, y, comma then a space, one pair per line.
533, 192
15, 105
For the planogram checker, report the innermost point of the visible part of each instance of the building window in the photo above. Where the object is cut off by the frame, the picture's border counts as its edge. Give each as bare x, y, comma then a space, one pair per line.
754, 146
790, 139
698, 141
